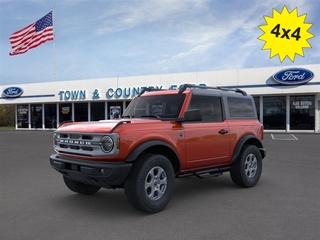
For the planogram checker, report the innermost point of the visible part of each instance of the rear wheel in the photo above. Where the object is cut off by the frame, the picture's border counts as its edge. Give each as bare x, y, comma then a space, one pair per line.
79, 187
150, 184
246, 171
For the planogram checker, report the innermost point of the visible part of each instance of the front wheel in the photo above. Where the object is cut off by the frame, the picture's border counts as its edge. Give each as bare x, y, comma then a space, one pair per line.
79, 187
246, 171
150, 184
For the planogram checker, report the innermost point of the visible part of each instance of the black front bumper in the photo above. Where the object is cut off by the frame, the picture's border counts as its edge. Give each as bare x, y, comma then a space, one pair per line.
102, 174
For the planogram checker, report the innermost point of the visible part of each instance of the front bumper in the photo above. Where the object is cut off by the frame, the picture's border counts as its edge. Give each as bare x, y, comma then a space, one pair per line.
102, 174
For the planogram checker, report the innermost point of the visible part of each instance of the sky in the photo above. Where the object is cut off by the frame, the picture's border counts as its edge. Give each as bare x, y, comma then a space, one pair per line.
123, 38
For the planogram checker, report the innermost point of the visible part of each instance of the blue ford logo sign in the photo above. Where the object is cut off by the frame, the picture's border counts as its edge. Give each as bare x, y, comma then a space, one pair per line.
12, 92
293, 76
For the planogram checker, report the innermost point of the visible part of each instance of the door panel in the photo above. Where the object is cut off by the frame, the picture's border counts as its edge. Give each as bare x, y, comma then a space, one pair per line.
205, 146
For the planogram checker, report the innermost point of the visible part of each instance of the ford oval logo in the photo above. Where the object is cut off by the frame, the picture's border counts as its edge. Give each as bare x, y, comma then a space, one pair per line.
12, 92
293, 76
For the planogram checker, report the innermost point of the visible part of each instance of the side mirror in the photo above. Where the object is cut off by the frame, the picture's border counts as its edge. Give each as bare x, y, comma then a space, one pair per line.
192, 115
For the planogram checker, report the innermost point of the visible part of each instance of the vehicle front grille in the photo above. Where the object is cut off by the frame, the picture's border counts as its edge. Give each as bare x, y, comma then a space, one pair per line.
83, 144
80, 144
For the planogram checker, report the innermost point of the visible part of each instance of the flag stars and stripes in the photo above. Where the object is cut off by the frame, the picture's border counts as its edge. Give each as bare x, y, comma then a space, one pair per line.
32, 35
44, 22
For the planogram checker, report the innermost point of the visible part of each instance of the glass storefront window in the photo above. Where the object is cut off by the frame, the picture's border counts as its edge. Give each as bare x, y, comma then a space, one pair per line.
97, 111
257, 103
22, 116
302, 112
80, 112
274, 113
50, 116
114, 107
36, 116
65, 112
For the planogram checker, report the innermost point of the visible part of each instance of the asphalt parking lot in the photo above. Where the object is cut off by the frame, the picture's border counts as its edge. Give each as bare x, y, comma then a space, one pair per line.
35, 203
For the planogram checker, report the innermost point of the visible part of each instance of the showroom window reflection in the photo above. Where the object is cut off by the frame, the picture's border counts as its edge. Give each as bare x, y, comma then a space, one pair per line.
274, 113
50, 115
302, 113
36, 115
22, 116
65, 112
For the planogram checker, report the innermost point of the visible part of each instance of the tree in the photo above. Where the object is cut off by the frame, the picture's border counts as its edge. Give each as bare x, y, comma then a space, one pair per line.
7, 115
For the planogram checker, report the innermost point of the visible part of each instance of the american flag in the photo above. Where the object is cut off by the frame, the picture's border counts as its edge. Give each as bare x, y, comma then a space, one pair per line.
32, 35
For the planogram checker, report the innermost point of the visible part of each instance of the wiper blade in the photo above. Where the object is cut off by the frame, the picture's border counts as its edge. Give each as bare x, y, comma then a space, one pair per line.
150, 115
127, 116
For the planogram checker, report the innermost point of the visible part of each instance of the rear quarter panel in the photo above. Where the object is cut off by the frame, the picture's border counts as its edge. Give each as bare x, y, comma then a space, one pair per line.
241, 127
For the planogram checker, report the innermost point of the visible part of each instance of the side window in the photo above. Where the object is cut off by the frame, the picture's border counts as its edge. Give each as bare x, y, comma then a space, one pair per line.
209, 106
240, 107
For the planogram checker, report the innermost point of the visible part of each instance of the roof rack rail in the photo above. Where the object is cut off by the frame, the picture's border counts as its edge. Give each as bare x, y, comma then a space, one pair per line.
149, 89
185, 86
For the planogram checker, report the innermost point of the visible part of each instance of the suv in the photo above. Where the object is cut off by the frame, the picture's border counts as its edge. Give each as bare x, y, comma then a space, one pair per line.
162, 135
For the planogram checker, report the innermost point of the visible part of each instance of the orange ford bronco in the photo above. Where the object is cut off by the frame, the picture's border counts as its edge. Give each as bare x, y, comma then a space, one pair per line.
162, 135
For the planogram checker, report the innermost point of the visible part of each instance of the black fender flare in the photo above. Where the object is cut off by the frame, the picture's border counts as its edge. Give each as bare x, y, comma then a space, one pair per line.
253, 140
145, 145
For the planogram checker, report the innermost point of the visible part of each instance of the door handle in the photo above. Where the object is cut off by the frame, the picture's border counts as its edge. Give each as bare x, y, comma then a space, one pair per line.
223, 131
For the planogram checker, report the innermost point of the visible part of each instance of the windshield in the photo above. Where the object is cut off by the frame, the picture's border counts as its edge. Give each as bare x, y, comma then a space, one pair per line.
161, 106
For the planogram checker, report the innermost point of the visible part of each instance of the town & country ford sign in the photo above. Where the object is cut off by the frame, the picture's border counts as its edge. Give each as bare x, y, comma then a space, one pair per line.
12, 92
293, 76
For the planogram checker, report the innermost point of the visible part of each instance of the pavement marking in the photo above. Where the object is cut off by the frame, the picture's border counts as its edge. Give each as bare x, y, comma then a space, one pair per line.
283, 137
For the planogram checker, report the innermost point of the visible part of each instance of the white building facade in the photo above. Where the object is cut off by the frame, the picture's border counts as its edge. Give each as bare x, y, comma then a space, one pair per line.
287, 98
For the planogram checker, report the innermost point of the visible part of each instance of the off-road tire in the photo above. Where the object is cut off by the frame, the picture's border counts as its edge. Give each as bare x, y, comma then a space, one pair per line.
150, 184
246, 171
79, 187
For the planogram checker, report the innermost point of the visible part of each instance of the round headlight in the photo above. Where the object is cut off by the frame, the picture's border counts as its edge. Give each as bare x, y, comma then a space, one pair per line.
107, 144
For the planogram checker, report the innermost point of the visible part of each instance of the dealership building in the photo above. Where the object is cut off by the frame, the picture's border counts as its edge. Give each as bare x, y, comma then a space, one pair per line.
287, 98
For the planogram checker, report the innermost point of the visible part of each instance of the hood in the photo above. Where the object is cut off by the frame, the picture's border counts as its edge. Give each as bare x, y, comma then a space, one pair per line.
89, 127
102, 126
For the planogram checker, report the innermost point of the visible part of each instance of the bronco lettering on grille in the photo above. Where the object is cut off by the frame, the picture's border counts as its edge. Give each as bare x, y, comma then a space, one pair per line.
77, 142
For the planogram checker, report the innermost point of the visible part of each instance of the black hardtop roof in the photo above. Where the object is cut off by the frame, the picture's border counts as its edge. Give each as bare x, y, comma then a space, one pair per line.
193, 87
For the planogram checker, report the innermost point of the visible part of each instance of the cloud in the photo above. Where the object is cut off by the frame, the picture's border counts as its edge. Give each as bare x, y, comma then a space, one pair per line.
189, 57
136, 13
